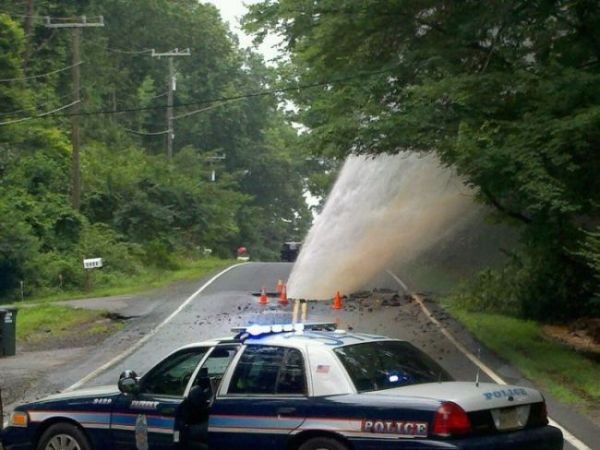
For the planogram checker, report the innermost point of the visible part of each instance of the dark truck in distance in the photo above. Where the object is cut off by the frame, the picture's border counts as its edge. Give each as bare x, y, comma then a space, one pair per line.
290, 250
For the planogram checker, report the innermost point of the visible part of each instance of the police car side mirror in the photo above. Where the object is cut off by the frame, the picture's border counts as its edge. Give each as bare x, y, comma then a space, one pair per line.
128, 382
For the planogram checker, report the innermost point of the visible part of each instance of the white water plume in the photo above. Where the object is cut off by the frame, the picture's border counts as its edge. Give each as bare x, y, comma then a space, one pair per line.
382, 209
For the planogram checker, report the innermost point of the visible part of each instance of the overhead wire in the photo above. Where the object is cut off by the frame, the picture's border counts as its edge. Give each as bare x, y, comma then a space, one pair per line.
144, 133
159, 95
191, 113
36, 16
41, 75
38, 116
118, 50
264, 93
49, 101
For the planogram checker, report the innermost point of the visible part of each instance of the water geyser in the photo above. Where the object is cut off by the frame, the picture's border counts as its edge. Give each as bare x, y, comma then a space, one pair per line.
381, 209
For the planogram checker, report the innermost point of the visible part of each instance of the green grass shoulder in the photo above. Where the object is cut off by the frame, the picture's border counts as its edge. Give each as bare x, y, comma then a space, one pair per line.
562, 371
42, 318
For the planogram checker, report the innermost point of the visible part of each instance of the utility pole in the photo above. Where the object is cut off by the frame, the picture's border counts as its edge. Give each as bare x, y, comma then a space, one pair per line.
171, 86
28, 32
75, 131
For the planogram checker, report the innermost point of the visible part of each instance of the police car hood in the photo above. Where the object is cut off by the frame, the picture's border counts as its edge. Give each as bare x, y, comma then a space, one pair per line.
468, 395
97, 391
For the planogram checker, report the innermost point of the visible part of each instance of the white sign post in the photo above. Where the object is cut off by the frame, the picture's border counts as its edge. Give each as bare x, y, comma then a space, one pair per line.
88, 264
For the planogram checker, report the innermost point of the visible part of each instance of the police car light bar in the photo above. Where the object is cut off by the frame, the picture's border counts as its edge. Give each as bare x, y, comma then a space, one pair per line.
256, 330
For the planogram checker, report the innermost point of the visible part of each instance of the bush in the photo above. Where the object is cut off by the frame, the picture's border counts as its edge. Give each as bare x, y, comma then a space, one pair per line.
58, 271
159, 254
490, 290
18, 250
100, 241
537, 287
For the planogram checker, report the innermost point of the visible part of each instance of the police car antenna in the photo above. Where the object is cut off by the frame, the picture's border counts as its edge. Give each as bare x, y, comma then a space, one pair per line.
478, 368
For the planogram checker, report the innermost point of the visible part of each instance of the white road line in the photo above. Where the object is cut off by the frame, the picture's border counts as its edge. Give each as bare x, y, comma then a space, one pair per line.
145, 339
489, 372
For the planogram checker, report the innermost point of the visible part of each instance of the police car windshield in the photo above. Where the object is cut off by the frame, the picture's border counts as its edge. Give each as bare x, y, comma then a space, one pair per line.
374, 366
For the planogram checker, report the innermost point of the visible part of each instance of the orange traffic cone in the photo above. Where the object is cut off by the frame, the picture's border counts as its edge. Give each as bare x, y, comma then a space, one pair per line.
279, 286
337, 301
283, 300
263, 299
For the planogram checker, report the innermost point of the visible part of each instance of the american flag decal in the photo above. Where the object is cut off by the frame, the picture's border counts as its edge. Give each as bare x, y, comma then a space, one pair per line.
322, 368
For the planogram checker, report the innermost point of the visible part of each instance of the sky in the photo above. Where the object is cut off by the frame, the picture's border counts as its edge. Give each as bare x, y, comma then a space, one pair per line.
232, 11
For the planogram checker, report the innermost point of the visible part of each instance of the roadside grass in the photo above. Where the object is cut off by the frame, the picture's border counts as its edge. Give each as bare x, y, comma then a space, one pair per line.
36, 322
41, 318
151, 278
566, 374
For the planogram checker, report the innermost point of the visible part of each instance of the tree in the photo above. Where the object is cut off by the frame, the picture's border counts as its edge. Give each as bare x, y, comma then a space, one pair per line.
505, 91
137, 207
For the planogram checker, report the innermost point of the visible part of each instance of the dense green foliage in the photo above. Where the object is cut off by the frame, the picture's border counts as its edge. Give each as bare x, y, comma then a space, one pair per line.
507, 92
137, 208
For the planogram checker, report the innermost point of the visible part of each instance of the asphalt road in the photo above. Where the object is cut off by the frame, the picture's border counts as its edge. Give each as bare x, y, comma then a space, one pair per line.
198, 311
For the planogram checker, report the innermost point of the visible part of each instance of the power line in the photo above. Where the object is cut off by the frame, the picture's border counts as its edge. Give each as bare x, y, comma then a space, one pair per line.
143, 133
191, 113
41, 75
159, 95
265, 93
223, 100
128, 52
39, 105
31, 16
118, 50
47, 113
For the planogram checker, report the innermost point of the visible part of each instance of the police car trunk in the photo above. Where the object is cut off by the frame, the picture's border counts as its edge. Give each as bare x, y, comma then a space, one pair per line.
468, 408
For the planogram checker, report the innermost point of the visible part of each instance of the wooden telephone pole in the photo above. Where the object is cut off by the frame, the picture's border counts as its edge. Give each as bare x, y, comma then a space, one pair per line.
75, 132
172, 86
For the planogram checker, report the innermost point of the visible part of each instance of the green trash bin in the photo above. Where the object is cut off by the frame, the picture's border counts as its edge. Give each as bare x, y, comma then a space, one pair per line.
8, 331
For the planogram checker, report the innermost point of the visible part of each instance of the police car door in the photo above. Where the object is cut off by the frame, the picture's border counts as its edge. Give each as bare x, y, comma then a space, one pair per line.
263, 400
192, 420
147, 419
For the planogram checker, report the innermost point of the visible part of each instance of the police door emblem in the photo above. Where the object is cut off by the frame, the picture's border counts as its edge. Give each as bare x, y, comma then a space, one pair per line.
141, 432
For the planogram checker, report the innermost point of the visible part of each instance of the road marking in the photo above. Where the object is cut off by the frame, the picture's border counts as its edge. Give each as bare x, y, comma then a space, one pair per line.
152, 332
575, 442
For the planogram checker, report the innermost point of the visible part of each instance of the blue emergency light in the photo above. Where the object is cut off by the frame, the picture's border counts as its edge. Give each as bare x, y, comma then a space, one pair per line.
260, 330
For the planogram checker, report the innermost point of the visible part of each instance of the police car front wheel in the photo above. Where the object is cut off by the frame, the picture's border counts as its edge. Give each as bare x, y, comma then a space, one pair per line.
322, 443
63, 436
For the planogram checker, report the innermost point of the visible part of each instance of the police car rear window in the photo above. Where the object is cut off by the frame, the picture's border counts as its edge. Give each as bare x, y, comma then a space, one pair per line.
269, 370
374, 366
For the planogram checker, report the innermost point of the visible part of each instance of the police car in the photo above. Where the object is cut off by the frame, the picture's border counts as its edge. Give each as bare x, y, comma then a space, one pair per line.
289, 387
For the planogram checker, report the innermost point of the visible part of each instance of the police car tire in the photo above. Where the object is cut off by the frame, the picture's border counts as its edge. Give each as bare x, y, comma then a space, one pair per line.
323, 443
67, 429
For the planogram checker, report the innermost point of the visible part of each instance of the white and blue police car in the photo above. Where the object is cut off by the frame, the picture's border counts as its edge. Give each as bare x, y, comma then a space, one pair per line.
289, 387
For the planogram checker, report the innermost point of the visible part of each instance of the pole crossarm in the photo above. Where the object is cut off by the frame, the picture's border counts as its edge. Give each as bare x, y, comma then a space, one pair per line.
175, 52
83, 24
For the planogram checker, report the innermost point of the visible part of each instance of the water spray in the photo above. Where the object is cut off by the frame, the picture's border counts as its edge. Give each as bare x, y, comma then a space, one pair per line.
380, 208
